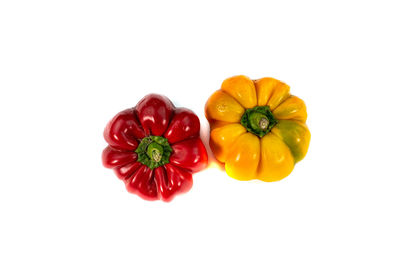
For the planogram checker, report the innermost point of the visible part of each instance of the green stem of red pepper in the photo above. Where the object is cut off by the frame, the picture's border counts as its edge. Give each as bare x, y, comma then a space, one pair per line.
154, 151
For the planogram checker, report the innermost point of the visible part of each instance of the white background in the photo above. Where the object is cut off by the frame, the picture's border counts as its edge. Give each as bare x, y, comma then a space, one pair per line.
67, 67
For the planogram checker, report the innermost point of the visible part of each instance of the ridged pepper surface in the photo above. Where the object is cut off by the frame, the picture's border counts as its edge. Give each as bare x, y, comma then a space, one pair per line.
257, 128
154, 148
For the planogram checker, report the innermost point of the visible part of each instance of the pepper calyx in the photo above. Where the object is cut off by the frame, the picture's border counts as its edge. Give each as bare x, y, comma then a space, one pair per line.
153, 151
258, 120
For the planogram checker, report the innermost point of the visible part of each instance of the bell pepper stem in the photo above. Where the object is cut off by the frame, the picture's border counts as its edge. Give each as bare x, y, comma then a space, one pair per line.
263, 124
154, 151
156, 156
258, 120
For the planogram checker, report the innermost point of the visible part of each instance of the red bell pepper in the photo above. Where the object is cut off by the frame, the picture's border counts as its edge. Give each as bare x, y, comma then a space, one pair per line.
154, 148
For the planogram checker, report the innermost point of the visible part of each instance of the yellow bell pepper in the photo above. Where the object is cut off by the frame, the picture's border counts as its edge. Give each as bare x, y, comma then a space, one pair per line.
257, 128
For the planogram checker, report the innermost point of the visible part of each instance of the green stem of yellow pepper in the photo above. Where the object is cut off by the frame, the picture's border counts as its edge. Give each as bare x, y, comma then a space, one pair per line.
258, 120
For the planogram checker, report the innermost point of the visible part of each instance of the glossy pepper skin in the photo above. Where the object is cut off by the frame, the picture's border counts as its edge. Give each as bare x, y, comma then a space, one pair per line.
154, 148
257, 128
